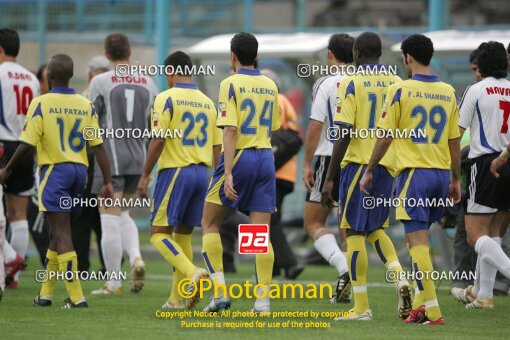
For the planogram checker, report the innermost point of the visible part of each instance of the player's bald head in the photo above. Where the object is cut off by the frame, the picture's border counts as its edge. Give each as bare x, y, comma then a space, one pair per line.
60, 68
368, 45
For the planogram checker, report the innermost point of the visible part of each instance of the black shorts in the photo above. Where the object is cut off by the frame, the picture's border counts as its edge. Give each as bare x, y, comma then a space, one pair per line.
321, 169
487, 194
21, 180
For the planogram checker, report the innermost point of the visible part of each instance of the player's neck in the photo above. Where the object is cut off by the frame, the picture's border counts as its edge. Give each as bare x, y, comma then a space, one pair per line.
6, 58
420, 69
181, 79
119, 62
367, 61
59, 84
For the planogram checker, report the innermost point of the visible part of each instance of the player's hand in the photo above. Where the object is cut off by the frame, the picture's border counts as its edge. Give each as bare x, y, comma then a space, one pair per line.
228, 187
496, 164
4, 175
107, 190
326, 198
366, 182
142, 186
454, 191
308, 177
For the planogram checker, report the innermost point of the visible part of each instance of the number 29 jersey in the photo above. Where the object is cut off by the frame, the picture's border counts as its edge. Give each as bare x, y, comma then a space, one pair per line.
248, 101
185, 109
18, 87
123, 105
429, 107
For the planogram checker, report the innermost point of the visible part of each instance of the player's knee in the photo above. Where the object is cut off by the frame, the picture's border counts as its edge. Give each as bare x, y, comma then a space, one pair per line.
471, 240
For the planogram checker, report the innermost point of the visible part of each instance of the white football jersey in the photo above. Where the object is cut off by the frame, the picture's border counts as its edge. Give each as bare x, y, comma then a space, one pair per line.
485, 110
323, 110
17, 88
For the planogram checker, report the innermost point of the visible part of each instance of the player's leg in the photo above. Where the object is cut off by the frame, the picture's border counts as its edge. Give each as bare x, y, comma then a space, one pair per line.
182, 236
16, 207
51, 268
263, 266
315, 216
111, 244
2, 241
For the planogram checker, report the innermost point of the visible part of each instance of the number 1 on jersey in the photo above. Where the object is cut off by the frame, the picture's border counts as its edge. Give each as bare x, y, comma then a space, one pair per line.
130, 103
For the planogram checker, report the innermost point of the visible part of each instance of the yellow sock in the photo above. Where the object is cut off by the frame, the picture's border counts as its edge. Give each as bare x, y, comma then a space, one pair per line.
264, 266
382, 244
184, 241
422, 263
173, 253
69, 262
357, 260
418, 296
51, 266
212, 251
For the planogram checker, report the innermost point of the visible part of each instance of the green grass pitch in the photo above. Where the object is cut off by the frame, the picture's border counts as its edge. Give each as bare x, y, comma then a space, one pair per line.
133, 315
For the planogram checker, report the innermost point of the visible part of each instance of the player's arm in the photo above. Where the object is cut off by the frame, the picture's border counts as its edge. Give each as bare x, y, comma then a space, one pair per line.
381, 147
216, 155
156, 147
104, 165
23, 151
454, 137
161, 113
229, 149
344, 119
499, 161
318, 116
227, 120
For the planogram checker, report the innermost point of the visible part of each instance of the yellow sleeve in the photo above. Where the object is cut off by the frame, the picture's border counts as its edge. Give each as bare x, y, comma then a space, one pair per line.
346, 103
390, 117
453, 131
94, 124
227, 105
161, 113
33, 129
276, 123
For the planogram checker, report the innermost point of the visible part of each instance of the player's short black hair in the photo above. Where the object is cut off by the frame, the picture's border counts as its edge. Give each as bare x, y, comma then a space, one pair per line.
492, 60
473, 57
116, 46
40, 72
9, 41
419, 47
180, 62
508, 48
244, 46
340, 44
369, 44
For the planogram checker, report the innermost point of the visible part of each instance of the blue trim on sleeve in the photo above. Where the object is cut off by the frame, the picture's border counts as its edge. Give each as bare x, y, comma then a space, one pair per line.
483, 139
38, 111
396, 97
170, 106
350, 89
232, 93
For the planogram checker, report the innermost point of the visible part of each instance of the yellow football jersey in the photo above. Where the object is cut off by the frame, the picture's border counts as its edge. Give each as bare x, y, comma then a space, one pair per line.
249, 102
187, 118
56, 123
359, 104
429, 107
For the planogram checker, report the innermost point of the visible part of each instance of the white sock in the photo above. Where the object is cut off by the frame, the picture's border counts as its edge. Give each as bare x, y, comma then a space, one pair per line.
491, 252
476, 286
487, 277
129, 236
9, 252
218, 278
263, 302
19, 236
328, 248
111, 246
2, 242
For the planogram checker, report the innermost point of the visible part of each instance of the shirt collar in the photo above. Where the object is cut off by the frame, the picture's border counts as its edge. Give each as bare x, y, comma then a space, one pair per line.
248, 71
186, 85
63, 90
430, 78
